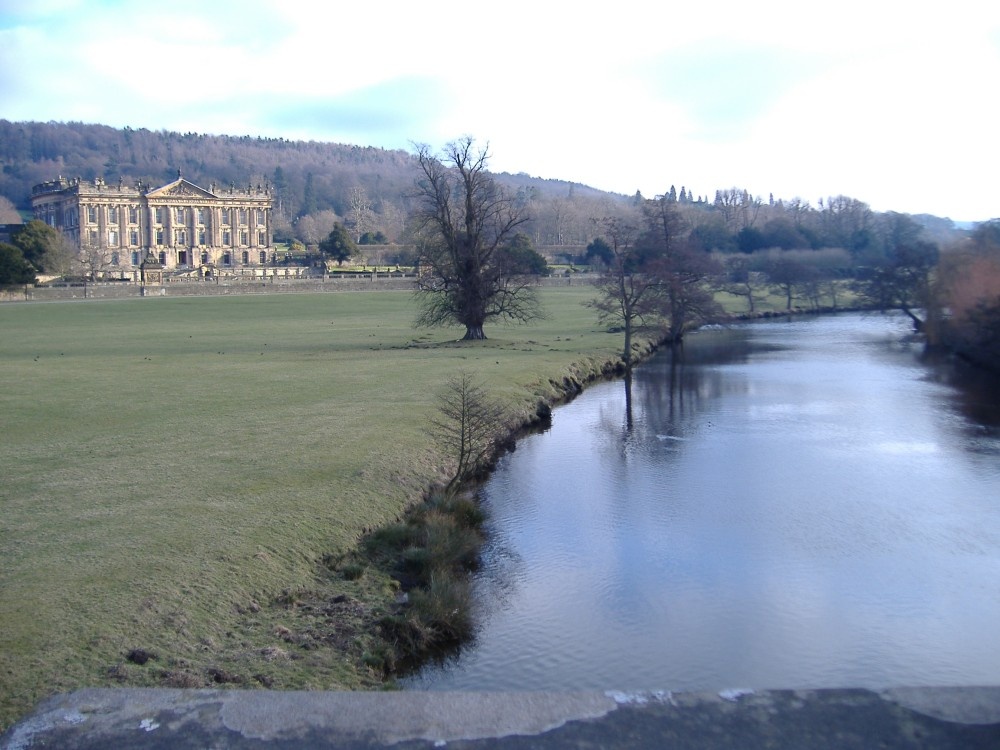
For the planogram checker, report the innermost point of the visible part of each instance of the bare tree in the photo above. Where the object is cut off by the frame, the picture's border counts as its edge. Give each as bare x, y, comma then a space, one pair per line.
559, 216
789, 275
93, 261
847, 223
8, 212
685, 276
469, 428
361, 217
313, 228
628, 296
391, 218
463, 223
738, 207
742, 280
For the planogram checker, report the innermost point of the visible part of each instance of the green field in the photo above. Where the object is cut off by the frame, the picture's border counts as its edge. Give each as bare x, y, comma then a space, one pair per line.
175, 469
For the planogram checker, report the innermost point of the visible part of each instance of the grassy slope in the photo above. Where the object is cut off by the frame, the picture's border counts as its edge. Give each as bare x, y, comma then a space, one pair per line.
170, 466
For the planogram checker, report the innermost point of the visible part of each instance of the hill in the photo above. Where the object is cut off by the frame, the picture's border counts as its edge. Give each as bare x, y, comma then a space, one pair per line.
316, 184
307, 177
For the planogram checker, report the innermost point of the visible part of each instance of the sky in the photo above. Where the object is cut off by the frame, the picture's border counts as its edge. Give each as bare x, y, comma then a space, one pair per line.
890, 102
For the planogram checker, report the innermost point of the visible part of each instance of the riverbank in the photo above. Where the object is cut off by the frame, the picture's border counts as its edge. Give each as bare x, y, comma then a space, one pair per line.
426, 558
182, 473
705, 537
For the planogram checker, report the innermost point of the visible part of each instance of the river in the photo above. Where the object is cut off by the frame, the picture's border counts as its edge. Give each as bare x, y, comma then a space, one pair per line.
793, 503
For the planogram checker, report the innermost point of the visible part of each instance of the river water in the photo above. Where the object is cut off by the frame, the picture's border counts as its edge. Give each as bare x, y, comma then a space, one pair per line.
803, 503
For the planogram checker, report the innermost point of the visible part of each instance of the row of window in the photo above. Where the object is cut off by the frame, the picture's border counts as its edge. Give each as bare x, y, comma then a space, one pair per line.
180, 237
183, 259
180, 215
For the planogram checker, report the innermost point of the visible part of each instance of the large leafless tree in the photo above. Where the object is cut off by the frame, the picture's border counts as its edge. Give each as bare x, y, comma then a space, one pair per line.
654, 276
361, 216
686, 276
627, 295
463, 223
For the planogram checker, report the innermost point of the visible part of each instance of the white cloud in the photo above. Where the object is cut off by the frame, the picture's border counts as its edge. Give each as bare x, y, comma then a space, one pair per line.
887, 102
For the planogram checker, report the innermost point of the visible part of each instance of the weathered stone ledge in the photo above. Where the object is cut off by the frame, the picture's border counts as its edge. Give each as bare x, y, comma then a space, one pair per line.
942, 718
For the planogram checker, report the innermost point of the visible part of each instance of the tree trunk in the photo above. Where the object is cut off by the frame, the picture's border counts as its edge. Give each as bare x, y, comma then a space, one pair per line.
918, 323
627, 351
474, 332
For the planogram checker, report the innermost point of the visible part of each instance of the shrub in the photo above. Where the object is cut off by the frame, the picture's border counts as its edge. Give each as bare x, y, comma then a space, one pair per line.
450, 545
353, 571
464, 510
389, 540
445, 607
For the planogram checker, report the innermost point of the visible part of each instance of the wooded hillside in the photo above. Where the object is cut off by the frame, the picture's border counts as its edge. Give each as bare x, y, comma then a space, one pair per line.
370, 189
314, 183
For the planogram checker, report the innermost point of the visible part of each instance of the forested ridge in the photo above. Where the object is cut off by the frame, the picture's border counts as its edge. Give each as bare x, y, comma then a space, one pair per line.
313, 183
33, 152
317, 184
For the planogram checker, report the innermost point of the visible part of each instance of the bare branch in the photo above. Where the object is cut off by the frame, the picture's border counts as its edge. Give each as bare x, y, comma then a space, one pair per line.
469, 427
465, 219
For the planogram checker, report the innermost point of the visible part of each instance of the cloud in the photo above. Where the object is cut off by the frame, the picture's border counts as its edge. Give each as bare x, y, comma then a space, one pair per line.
887, 102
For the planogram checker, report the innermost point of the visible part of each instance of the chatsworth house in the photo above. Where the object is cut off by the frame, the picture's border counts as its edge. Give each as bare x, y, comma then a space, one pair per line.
178, 226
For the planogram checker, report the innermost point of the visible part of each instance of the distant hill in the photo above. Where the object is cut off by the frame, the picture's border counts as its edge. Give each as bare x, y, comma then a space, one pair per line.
33, 152
316, 184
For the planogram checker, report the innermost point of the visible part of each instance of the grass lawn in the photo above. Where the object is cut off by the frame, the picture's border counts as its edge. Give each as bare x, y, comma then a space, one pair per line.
176, 469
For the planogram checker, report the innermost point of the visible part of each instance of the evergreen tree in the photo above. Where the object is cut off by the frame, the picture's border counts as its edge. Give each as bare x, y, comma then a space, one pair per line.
309, 204
339, 245
39, 243
14, 269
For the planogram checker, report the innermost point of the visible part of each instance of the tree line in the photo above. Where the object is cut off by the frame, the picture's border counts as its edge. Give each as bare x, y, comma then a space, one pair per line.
664, 249
657, 272
369, 190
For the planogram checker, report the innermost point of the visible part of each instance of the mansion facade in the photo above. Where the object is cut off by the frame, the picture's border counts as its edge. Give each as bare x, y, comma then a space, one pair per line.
182, 226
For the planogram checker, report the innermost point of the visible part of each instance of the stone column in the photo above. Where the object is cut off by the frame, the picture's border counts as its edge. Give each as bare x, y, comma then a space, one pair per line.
102, 226
122, 228
168, 226
149, 233
216, 235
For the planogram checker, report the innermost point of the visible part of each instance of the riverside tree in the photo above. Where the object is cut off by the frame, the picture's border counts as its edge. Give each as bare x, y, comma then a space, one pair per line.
902, 279
627, 295
464, 224
685, 275
968, 286
469, 427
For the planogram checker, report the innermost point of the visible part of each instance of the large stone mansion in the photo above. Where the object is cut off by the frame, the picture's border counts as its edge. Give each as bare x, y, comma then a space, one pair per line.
181, 225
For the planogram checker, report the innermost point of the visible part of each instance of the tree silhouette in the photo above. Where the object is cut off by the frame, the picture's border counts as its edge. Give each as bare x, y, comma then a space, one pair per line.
463, 223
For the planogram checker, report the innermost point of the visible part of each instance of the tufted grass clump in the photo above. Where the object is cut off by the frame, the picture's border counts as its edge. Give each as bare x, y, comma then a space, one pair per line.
429, 554
444, 606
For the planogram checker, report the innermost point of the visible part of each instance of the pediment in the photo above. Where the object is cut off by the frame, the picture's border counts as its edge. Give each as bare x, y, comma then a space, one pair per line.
180, 187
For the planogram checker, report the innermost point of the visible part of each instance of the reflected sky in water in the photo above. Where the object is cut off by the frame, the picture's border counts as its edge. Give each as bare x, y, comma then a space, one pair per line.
805, 503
